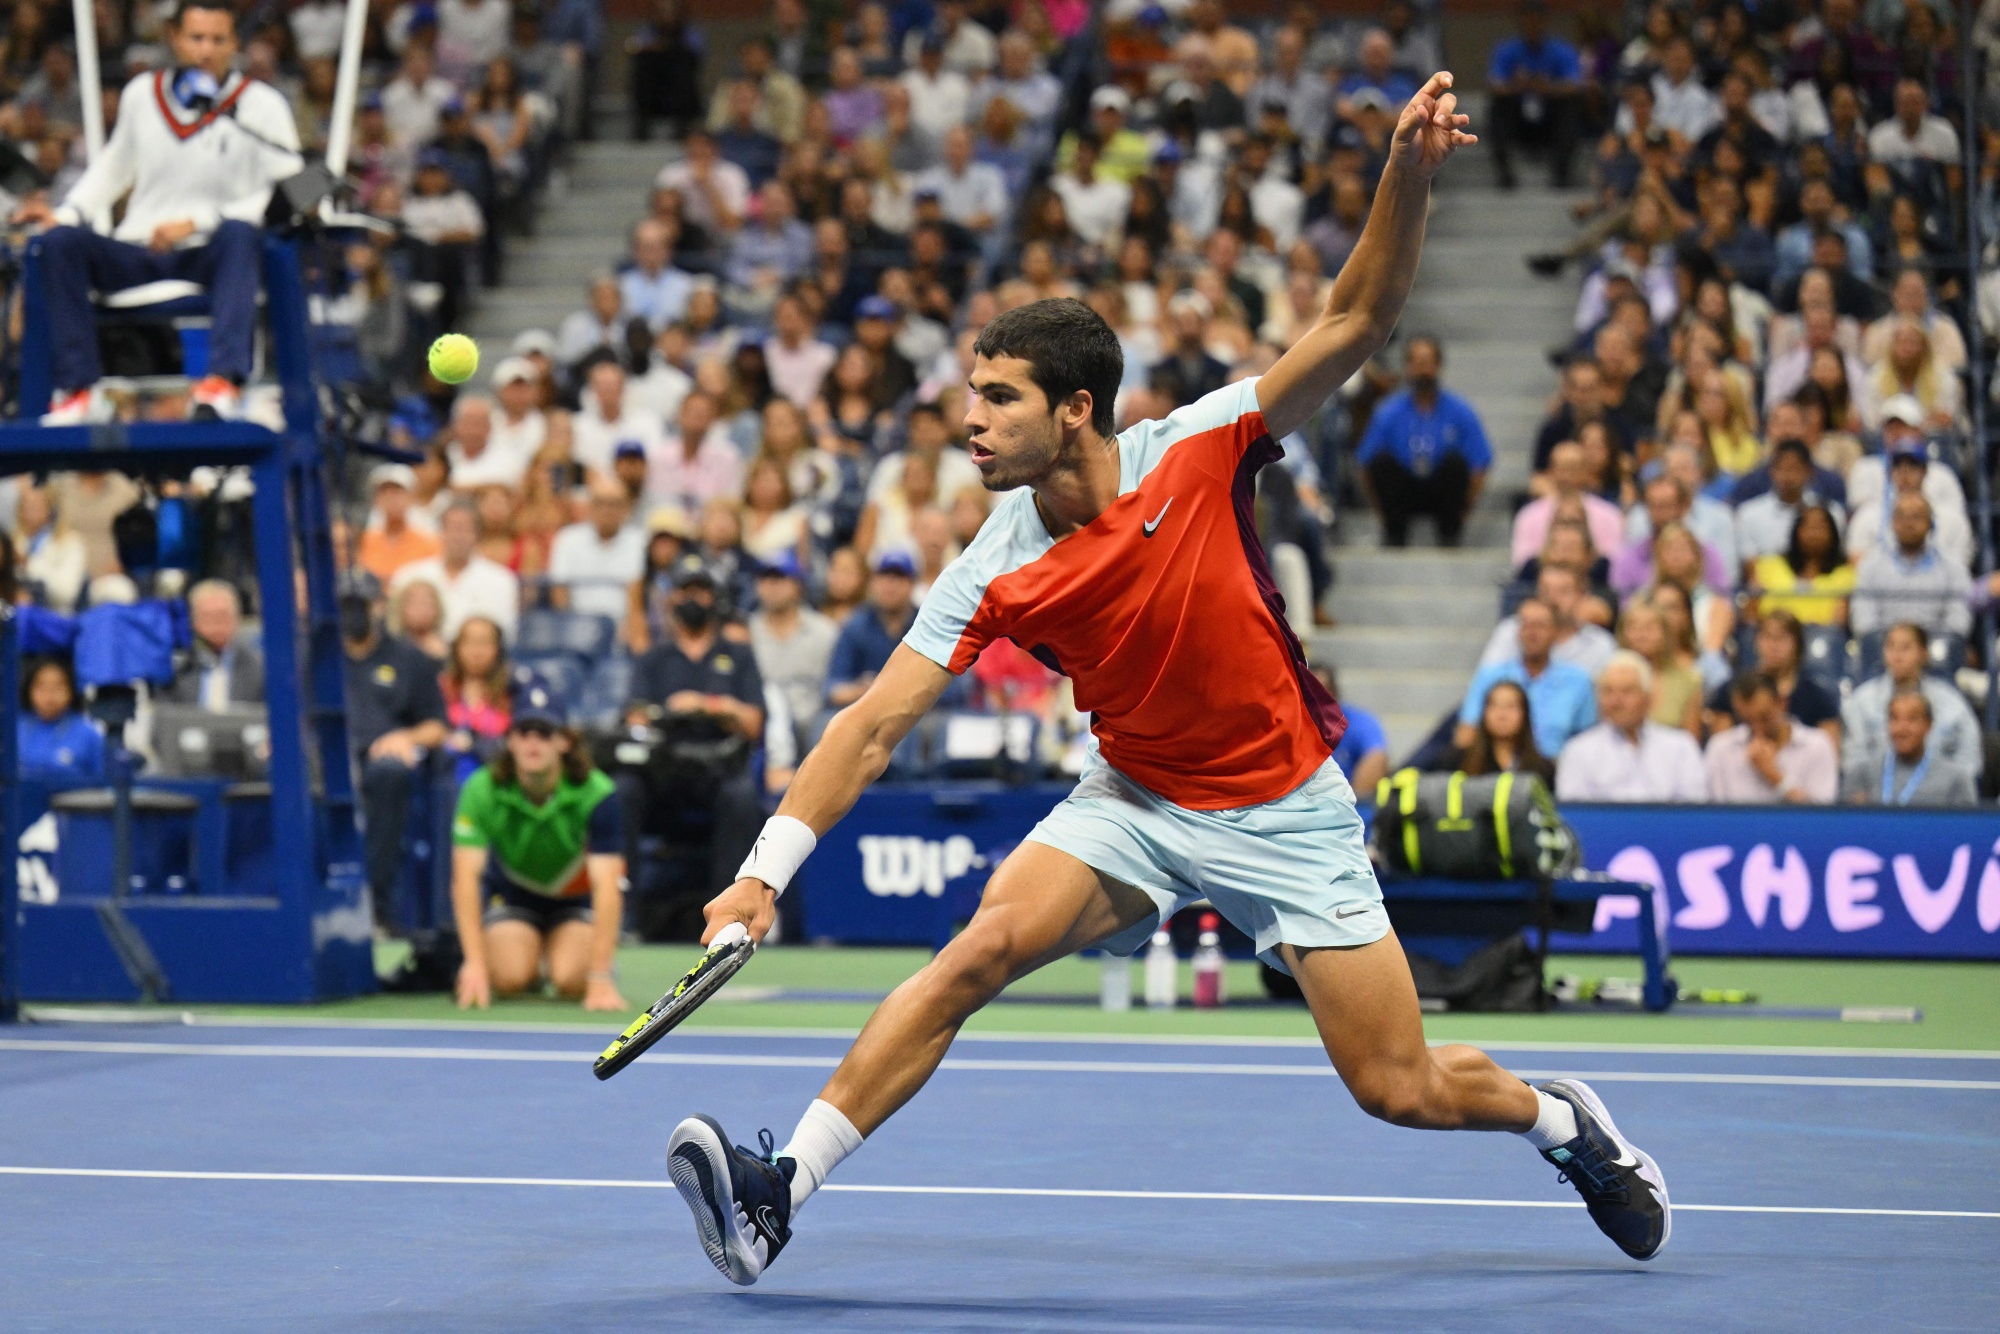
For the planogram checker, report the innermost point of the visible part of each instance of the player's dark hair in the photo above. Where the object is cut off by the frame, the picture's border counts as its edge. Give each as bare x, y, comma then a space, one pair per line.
576, 764
219, 6
1068, 347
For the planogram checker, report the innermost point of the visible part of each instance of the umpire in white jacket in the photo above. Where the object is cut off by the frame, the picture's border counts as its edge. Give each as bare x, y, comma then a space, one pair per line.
198, 147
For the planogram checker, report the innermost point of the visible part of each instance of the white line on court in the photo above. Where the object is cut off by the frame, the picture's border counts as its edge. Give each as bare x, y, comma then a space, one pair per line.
538, 1055
1225, 1196
114, 1014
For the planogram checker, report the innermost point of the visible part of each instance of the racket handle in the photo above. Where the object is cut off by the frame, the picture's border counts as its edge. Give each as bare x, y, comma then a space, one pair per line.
729, 935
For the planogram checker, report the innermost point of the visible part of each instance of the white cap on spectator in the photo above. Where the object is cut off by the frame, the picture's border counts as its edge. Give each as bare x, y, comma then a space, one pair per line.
392, 474
514, 370
1190, 300
1112, 96
1904, 408
1370, 97
534, 340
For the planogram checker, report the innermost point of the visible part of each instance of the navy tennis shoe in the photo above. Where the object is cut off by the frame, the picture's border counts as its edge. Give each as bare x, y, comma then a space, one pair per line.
1622, 1187
742, 1201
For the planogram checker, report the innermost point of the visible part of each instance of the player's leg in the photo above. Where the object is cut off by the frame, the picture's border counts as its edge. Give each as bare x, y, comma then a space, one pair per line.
1365, 1007
568, 951
1040, 905
513, 956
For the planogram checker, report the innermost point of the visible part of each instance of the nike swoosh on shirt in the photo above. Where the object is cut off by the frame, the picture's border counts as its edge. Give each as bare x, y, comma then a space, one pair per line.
1344, 913
1154, 522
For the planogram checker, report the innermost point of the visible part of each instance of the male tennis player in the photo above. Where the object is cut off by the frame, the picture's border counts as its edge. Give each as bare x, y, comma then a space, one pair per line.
1130, 563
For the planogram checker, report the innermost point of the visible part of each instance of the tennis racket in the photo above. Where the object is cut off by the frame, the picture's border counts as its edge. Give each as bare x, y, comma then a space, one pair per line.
728, 952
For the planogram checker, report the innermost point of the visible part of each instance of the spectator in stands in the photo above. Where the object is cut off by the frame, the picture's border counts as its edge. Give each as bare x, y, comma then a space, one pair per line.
1821, 213
715, 194
705, 687
395, 717
600, 325
872, 633
52, 556
1535, 86
1786, 374
1669, 503
1568, 477
1676, 684
606, 417
1908, 367
1302, 94
1769, 756
86, 504
1954, 738
653, 289
793, 643
973, 194
1573, 641
1813, 578
476, 461
1628, 756
54, 742
388, 546
1903, 432
1779, 647
195, 199
592, 563
217, 671
1910, 298
1095, 203
1913, 134
1907, 774
1425, 452
772, 251
798, 362
1583, 403
477, 687
522, 428
1908, 471
1560, 694
1764, 523
696, 462
1682, 105
1504, 739
1910, 580
416, 616
468, 583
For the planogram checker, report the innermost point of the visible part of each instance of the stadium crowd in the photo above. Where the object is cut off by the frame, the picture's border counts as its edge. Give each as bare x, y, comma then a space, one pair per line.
1746, 570
714, 494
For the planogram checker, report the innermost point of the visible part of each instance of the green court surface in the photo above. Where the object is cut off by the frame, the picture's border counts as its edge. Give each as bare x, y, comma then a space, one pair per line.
835, 989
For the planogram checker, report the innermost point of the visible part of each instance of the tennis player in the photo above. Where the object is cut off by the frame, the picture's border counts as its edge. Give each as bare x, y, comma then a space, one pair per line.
537, 866
1130, 564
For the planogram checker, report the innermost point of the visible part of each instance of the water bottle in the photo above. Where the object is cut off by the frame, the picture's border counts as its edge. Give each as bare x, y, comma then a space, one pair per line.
1208, 963
1162, 972
1115, 991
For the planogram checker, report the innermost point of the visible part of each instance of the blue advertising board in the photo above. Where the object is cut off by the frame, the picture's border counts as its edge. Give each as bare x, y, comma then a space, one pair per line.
1836, 882
1833, 882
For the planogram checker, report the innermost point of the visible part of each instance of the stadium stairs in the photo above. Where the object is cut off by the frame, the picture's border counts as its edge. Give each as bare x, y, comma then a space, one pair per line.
1411, 622
582, 227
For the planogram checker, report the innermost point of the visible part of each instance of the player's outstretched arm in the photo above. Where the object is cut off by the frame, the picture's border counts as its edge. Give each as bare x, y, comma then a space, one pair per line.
1368, 296
851, 754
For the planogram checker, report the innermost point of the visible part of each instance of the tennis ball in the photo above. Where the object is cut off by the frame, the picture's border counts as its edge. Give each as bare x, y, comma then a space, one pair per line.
454, 358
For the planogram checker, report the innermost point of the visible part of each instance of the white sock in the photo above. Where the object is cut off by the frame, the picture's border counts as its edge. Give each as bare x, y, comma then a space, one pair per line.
823, 1138
1554, 1125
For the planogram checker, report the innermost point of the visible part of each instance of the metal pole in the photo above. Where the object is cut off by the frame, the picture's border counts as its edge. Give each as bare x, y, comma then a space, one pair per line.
89, 83
346, 87
1976, 352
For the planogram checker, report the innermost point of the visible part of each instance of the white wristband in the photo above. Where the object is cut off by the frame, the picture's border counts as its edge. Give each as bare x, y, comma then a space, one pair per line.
781, 849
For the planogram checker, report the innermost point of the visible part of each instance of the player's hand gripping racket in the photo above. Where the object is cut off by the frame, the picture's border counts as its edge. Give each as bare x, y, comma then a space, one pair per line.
729, 951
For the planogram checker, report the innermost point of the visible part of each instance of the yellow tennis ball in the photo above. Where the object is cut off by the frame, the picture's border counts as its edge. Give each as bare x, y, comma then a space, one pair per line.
454, 358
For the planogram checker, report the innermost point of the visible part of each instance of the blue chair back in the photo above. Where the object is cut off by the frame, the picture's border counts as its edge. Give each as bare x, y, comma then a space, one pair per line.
1825, 660
545, 632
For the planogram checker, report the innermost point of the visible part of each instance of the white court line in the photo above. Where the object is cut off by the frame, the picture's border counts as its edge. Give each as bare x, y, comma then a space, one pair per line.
115, 1014
1226, 1196
537, 1055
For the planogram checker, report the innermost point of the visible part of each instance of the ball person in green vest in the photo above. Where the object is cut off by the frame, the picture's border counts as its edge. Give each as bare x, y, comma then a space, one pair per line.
537, 866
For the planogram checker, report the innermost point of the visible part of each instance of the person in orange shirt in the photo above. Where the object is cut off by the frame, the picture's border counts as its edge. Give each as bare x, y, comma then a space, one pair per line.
395, 542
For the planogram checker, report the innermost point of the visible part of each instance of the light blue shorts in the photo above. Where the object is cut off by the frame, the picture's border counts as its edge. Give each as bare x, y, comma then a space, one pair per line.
1292, 871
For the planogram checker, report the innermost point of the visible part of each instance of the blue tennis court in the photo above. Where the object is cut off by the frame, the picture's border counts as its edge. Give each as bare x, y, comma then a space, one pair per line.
257, 1177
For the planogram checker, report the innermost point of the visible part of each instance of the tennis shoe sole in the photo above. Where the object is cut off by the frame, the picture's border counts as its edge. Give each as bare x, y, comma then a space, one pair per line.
698, 1163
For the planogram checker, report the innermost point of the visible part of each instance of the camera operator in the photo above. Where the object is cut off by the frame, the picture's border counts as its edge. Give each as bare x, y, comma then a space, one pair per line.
704, 695
199, 147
